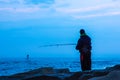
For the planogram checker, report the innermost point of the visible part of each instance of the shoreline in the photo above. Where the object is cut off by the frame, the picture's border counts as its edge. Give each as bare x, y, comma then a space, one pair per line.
14, 66
49, 73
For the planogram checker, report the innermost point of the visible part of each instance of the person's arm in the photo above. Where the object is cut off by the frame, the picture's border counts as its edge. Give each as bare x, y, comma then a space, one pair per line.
79, 44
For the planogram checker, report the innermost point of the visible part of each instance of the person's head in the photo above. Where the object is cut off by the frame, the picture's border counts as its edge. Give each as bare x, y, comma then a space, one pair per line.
82, 31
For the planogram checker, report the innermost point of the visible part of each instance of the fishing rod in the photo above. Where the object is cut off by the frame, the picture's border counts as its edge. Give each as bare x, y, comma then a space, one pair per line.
68, 44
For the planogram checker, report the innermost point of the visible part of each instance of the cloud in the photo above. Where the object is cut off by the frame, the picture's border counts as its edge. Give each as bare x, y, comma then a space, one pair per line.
25, 6
97, 15
29, 9
84, 9
102, 9
22, 10
7, 2
115, 0
27, 1
40, 1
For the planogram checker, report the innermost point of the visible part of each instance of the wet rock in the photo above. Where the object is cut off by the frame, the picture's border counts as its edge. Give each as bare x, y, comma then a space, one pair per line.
75, 76
44, 77
116, 67
99, 72
47, 70
86, 76
62, 70
114, 75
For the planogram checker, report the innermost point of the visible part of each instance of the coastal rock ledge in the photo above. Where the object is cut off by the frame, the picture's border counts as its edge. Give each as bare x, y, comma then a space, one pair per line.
49, 73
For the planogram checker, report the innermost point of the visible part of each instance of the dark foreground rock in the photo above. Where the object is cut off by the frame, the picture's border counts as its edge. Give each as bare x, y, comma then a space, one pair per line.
114, 75
48, 73
44, 77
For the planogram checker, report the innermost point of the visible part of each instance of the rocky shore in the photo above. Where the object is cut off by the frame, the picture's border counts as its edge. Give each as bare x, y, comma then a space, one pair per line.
49, 73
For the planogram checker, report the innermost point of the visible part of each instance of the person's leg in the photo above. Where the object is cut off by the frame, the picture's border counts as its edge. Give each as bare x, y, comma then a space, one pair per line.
88, 61
82, 62
85, 59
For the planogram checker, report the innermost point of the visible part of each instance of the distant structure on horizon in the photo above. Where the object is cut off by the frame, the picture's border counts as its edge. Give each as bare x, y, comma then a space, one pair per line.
27, 56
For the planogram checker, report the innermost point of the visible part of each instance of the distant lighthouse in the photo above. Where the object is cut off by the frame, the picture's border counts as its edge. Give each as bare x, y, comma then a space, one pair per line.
27, 56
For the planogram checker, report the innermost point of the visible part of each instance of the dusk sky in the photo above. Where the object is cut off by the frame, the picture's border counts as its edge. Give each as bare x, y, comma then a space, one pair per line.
25, 25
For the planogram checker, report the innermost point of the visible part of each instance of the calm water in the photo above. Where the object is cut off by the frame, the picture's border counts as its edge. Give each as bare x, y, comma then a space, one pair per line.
9, 66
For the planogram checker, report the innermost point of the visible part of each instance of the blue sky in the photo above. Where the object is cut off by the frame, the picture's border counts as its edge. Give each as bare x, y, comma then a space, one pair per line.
27, 24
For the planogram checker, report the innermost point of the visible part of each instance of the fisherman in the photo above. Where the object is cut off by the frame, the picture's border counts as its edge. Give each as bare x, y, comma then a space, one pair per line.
84, 47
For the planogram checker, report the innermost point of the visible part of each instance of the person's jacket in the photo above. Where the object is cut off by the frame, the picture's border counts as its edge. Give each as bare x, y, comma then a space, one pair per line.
84, 42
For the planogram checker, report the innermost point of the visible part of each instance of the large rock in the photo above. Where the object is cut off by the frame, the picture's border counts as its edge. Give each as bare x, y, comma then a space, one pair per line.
44, 77
114, 75
66, 70
8, 78
75, 76
116, 67
85, 76
46, 70
99, 72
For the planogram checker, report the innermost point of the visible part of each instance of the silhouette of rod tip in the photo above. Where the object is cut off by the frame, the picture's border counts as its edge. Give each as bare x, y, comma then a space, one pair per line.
69, 44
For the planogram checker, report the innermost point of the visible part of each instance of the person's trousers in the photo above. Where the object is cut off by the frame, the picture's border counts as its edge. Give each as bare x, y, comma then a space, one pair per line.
85, 59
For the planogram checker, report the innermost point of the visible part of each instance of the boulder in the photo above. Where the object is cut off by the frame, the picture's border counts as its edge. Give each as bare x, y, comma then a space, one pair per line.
99, 73
66, 70
86, 76
116, 67
75, 76
47, 70
113, 75
44, 77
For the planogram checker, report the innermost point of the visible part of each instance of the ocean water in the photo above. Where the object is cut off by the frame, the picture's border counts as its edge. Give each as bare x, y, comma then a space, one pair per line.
10, 66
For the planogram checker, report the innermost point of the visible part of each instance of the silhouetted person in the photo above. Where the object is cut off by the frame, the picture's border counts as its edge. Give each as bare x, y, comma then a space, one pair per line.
84, 47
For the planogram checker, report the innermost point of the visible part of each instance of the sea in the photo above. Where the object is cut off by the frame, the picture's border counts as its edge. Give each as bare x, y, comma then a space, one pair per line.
10, 66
